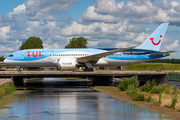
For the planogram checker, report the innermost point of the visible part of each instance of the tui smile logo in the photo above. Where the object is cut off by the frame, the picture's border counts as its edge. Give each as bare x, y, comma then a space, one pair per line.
154, 42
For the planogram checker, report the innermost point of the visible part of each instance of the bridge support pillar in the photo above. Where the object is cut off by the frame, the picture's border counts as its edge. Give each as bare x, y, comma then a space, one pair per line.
159, 78
18, 81
162, 79
103, 80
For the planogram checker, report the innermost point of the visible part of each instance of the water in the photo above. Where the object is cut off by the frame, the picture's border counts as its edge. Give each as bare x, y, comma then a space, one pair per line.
44, 103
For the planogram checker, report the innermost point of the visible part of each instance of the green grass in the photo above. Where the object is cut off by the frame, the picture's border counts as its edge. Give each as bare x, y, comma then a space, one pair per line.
6, 88
153, 67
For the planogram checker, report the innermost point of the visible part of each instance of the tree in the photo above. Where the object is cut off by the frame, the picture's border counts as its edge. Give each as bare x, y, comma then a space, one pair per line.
79, 42
31, 43
2, 58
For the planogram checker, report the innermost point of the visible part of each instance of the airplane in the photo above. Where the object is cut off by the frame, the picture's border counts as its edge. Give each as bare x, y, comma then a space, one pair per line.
69, 59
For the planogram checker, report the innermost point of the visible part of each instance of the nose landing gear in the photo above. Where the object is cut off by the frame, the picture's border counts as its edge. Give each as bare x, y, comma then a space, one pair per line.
19, 70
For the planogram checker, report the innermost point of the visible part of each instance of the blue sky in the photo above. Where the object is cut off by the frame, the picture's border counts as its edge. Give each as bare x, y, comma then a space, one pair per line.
8, 5
77, 9
105, 23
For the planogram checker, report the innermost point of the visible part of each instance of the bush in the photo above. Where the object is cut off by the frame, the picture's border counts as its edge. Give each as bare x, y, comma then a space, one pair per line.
148, 86
2, 92
175, 90
138, 97
174, 101
6, 88
149, 98
10, 88
123, 85
161, 88
160, 99
135, 94
168, 89
126, 83
131, 90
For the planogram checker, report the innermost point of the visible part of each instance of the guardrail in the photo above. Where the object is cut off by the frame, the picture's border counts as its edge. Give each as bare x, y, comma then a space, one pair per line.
174, 76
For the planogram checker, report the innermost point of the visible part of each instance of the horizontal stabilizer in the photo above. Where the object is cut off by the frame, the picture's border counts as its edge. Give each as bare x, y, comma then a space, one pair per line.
167, 53
97, 56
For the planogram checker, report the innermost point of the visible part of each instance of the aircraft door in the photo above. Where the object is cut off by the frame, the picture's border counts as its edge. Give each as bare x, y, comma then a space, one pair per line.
21, 55
49, 57
134, 54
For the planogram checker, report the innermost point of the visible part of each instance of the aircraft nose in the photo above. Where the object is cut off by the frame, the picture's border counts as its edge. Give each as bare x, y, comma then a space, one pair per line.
5, 61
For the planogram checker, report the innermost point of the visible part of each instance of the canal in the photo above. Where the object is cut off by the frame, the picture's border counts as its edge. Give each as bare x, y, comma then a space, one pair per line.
75, 103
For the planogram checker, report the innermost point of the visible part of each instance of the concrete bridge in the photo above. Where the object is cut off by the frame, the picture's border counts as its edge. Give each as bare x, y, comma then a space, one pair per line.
98, 78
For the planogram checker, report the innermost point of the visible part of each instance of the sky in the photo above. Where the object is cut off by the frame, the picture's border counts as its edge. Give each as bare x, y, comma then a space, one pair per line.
105, 23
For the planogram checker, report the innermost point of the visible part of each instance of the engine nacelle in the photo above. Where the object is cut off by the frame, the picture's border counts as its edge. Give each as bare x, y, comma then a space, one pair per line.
67, 63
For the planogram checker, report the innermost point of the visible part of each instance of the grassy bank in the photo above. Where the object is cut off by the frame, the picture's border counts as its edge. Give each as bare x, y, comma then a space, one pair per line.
6, 88
153, 67
162, 98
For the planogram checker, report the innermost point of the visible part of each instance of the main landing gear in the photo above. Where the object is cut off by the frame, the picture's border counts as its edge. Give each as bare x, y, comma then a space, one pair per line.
19, 70
88, 67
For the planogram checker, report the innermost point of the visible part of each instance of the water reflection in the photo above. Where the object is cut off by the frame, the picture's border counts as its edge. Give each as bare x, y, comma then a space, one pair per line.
72, 103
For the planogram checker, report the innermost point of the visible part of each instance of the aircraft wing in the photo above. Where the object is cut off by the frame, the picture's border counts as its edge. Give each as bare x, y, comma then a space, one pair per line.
167, 53
96, 57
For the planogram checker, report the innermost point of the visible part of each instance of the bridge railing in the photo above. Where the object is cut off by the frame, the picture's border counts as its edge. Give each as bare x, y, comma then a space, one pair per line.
174, 76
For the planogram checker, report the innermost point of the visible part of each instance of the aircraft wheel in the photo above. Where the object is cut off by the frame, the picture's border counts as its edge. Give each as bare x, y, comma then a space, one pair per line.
19, 70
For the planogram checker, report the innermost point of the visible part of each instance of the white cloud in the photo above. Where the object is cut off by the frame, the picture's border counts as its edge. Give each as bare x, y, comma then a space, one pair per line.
129, 36
78, 29
138, 11
141, 37
48, 6
3, 34
53, 46
91, 16
133, 28
173, 45
92, 43
21, 9
124, 44
106, 6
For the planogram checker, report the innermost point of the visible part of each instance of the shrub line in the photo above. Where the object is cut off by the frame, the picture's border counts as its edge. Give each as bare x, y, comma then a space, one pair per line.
6, 88
137, 93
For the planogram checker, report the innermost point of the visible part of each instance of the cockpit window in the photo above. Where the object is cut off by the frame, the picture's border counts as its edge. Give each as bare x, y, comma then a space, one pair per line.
10, 56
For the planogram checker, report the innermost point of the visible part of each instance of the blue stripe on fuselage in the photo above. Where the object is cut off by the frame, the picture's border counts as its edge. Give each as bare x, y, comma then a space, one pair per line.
133, 57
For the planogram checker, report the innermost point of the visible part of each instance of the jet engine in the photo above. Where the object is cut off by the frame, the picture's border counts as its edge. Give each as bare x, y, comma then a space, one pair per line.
67, 63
